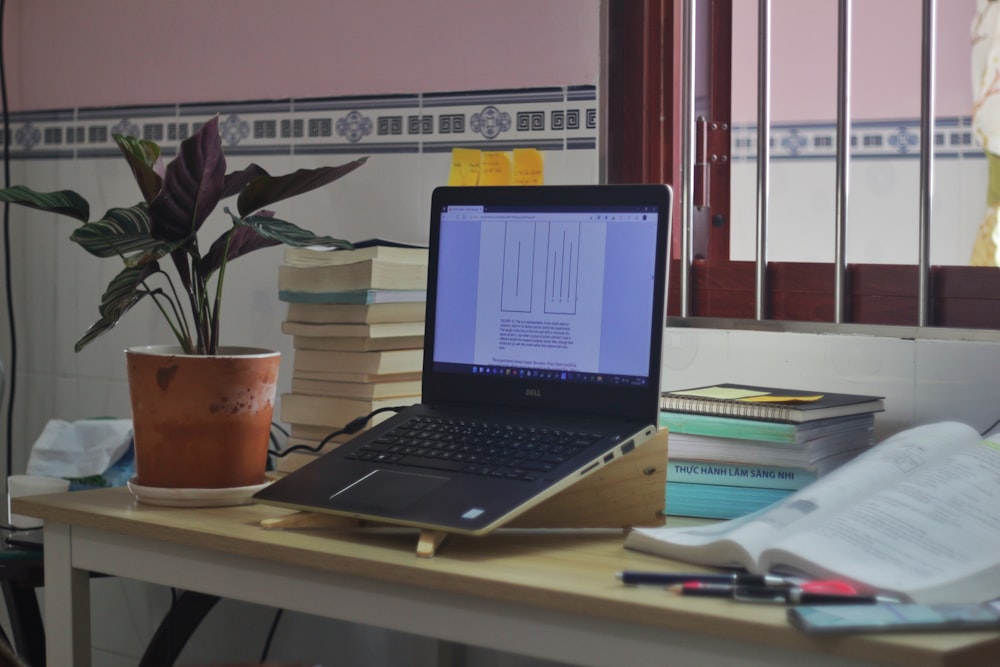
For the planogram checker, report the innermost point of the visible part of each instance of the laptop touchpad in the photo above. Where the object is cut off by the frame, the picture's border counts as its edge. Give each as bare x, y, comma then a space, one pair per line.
389, 489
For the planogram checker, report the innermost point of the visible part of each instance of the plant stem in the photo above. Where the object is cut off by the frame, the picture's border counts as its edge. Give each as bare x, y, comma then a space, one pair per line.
180, 330
218, 293
182, 337
178, 313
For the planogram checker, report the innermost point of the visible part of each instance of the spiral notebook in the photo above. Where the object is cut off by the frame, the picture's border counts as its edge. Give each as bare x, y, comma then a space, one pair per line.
768, 403
545, 315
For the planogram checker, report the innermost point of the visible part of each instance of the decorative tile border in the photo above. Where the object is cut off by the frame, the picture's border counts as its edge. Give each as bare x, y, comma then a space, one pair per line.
551, 119
900, 139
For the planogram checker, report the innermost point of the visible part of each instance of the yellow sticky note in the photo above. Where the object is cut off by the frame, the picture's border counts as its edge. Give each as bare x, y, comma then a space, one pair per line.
464, 166
771, 398
494, 168
528, 167
720, 393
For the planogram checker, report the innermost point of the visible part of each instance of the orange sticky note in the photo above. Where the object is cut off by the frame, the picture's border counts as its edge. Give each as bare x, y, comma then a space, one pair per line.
528, 167
494, 169
464, 166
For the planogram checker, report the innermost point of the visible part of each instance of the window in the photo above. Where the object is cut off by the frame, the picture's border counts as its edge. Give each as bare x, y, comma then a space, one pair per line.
644, 114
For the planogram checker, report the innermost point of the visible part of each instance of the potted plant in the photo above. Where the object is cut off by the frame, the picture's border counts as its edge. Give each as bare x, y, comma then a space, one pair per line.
187, 449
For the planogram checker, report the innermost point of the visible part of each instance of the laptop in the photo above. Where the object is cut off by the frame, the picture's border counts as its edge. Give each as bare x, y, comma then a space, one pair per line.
544, 322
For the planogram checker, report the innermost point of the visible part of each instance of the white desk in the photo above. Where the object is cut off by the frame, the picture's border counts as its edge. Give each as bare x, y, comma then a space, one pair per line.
550, 595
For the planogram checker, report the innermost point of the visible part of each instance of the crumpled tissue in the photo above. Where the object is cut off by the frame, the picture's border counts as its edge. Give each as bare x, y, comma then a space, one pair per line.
88, 452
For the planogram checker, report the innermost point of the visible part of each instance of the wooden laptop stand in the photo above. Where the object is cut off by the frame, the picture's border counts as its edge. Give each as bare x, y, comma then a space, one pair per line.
628, 492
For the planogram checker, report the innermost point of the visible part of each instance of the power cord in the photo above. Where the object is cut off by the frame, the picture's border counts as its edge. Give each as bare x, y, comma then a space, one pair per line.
270, 636
990, 428
352, 427
9, 433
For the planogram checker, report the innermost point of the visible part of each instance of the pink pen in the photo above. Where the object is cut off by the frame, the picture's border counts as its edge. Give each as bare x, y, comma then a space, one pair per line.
808, 593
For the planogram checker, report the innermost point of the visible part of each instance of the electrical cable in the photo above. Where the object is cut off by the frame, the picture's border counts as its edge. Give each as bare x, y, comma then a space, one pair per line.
352, 427
990, 428
9, 433
275, 426
270, 636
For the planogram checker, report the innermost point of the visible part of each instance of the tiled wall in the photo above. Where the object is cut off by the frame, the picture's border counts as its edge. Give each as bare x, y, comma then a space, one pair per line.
550, 119
883, 191
881, 139
408, 139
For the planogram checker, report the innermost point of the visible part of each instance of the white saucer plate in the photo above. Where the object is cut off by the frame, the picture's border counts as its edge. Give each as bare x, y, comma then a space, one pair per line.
155, 495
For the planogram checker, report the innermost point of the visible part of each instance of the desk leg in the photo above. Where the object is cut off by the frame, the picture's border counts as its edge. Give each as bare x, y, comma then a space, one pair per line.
67, 601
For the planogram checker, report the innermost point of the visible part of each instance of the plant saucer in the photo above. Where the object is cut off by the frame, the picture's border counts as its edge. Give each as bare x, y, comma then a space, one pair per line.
155, 495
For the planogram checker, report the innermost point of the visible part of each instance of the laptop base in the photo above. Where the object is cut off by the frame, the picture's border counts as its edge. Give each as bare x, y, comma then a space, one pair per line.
625, 493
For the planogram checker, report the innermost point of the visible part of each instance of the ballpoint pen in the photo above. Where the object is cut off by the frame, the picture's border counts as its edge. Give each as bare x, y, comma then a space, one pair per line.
805, 594
668, 578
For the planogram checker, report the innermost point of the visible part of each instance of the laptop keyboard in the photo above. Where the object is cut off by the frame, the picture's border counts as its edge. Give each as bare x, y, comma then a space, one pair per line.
477, 448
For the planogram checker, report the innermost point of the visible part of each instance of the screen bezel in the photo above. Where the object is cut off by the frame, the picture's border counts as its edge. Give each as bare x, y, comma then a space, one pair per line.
617, 401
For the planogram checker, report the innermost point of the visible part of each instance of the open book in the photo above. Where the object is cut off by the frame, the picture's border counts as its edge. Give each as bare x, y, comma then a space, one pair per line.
916, 517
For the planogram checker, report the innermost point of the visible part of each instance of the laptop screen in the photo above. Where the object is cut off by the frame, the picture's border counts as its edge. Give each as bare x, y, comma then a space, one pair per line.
549, 291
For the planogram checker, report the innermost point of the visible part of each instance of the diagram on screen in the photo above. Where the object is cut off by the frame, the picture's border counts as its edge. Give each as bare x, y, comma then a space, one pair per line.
560, 267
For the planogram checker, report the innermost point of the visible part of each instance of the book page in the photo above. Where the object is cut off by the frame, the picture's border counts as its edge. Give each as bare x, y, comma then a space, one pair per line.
926, 537
891, 460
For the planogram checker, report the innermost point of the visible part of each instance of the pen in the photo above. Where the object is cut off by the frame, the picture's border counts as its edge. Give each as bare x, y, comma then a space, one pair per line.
773, 595
732, 578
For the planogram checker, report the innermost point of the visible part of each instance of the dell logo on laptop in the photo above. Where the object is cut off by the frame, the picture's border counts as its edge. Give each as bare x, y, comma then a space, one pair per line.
533, 393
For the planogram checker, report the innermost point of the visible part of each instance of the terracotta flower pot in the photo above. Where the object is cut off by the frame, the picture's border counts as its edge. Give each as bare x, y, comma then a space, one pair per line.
201, 422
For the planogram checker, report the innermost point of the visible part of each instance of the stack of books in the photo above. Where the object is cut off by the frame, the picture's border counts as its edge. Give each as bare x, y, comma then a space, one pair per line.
356, 318
735, 449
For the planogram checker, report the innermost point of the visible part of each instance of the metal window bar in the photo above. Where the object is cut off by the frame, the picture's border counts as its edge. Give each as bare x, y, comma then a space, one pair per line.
687, 151
763, 152
927, 92
840, 295
927, 81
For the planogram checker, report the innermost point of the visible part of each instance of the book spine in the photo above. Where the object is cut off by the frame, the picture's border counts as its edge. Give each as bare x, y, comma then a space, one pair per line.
728, 427
734, 474
353, 297
722, 408
713, 502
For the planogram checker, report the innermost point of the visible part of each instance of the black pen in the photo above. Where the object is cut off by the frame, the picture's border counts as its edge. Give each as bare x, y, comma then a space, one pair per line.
773, 595
731, 578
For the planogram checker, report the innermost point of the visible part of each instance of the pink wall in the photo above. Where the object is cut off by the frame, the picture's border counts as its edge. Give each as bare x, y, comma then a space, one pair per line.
164, 51
886, 59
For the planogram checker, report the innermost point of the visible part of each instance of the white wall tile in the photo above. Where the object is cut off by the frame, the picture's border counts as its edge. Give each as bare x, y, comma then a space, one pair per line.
57, 289
407, 140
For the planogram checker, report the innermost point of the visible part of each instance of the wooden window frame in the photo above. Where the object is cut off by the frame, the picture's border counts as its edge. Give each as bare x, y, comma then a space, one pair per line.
644, 140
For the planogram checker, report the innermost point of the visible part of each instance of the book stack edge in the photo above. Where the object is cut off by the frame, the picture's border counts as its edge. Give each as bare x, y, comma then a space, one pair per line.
356, 318
733, 456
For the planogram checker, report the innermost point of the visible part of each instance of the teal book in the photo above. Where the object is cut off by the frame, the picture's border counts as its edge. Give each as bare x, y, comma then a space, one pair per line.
735, 474
711, 501
822, 454
753, 429
361, 296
